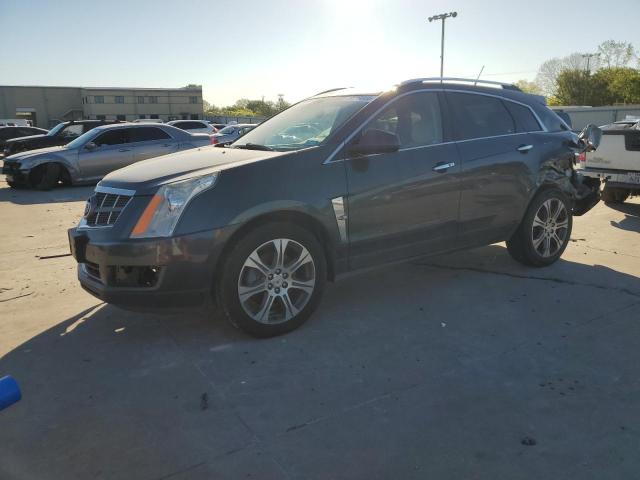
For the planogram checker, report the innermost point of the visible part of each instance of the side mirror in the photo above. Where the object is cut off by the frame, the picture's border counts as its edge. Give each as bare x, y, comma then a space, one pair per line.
375, 141
90, 146
591, 136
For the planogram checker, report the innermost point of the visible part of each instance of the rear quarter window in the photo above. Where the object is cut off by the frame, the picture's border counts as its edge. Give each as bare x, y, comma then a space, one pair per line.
525, 120
551, 121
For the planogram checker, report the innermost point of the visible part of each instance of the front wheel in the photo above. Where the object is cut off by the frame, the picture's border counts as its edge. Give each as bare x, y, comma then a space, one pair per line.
545, 230
273, 279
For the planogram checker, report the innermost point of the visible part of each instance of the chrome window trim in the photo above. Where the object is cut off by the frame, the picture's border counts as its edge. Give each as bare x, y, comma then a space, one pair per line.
330, 158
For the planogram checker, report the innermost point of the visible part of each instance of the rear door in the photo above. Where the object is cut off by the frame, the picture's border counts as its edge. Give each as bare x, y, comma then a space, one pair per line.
112, 151
498, 162
149, 142
405, 203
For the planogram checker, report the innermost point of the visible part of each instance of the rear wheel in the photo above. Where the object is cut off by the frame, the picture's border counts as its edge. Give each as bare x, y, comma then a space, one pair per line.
273, 279
614, 195
45, 177
545, 230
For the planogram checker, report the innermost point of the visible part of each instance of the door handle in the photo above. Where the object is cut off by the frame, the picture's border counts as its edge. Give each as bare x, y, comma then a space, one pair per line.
442, 167
524, 148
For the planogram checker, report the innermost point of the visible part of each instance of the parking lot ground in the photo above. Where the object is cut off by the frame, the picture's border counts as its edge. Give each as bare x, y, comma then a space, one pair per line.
465, 366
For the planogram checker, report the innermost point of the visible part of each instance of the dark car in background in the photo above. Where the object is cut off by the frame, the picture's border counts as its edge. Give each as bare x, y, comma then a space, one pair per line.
61, 134
8, 133
231, 133
432, 166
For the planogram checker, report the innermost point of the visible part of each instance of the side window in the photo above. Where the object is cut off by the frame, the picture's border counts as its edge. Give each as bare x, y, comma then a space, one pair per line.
415, 119
7, 133
478, 116
147, 134
72, 131
113, 137
525, 121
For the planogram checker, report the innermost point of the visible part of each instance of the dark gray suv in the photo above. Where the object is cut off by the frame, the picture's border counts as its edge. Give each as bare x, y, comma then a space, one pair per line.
432, 166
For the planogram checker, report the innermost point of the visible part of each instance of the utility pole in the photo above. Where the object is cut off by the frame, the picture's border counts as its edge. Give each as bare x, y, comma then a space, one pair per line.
588, 56
443, 17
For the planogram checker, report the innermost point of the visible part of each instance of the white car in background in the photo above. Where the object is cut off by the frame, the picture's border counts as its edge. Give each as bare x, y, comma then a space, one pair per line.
194, 126
617, 160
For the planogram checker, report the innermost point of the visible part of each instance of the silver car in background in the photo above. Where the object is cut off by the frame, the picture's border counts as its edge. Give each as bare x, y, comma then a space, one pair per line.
92, 155
231, 133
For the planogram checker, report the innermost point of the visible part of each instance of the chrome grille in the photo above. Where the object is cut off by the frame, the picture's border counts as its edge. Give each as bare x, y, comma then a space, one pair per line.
108, 207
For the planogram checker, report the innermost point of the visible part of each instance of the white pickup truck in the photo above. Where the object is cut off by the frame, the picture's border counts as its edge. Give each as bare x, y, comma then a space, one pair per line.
616, 161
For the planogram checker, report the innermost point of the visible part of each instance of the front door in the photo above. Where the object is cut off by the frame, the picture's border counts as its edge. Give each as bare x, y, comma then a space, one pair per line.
405, 203
110, 151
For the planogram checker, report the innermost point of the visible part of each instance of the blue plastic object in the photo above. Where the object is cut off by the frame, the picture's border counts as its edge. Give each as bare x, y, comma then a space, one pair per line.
9, 392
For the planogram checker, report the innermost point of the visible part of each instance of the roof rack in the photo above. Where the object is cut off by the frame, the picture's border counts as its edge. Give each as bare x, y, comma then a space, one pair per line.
329, 91
505, 86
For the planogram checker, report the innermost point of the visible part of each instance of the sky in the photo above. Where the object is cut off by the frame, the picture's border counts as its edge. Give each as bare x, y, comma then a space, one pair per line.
262, 48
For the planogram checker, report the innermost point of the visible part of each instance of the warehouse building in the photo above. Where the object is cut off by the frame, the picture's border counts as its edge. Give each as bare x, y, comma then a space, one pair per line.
47, 106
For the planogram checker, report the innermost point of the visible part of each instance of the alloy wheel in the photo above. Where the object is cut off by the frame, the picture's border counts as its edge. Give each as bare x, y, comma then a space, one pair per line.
276, 281
550, 227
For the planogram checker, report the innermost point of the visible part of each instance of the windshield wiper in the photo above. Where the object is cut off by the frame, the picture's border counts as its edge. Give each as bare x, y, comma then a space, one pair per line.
254, 146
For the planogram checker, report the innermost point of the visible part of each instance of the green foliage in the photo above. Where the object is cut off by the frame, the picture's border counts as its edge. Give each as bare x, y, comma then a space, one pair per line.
607, 86
249, 108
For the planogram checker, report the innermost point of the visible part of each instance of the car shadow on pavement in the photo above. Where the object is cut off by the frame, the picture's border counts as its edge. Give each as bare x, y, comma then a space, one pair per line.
631, 221
32, 197
120, 394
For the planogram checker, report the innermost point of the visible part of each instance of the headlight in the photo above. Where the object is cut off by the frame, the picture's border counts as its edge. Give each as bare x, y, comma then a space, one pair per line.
163, 212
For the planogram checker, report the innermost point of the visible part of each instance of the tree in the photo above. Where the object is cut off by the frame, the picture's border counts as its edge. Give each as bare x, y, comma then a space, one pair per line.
616, 54
622, 84
549, 71
529, 87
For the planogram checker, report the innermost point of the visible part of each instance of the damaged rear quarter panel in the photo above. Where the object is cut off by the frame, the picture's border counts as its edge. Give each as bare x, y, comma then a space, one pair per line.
557, 169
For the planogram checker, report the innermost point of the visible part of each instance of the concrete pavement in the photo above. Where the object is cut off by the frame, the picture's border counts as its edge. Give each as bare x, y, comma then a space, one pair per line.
448, 367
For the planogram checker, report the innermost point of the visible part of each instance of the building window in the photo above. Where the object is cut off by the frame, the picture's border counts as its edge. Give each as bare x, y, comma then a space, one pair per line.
119, 99
153, 99
194, 117
98, 99
140, 99
193, 99
142, 116
121, 117
101, 117
153, 116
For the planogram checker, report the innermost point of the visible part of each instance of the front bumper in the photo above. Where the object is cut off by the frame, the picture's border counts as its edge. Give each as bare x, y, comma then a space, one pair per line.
13, 173
149, 274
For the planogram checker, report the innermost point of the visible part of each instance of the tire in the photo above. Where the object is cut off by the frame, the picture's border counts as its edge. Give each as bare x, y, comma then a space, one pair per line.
614, 195
45, 177
542, 244
15, 185
274, 284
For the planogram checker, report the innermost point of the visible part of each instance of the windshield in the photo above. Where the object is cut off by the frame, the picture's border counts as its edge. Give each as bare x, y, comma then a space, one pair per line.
227, 130
305, 124
54, 131
82, 139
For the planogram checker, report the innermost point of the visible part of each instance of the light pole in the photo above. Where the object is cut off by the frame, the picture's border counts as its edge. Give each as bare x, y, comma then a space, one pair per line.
588, 56
443, 17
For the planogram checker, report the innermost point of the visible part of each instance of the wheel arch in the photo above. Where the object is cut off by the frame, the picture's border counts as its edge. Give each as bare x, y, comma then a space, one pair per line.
306, 220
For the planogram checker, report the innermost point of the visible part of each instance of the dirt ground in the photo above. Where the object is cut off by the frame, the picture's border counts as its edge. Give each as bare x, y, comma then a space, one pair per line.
460, 366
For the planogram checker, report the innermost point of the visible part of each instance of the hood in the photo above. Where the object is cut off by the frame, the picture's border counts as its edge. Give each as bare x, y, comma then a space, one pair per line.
33, 153
156, 171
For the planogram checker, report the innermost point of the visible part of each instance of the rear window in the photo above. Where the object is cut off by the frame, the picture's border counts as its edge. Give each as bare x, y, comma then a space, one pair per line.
479, 116
525, 120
